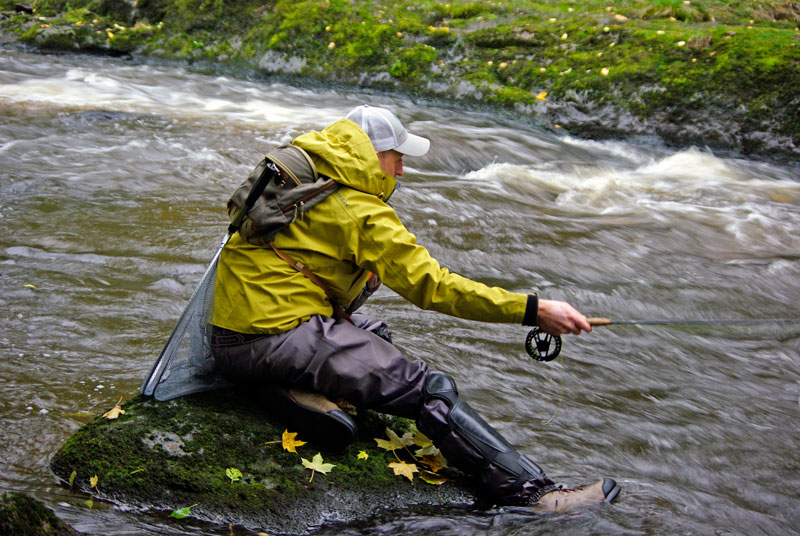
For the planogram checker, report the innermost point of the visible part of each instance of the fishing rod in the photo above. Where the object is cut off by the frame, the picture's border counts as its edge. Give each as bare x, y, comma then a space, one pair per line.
542, 346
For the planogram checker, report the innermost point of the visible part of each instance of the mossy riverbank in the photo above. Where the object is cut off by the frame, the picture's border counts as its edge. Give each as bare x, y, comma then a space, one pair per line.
700, 72
221, 455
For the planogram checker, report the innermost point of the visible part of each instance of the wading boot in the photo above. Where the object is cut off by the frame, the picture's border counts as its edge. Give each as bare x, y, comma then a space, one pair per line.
602, 491
311, 415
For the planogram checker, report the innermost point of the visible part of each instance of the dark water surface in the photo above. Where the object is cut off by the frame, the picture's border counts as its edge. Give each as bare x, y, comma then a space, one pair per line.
113, 182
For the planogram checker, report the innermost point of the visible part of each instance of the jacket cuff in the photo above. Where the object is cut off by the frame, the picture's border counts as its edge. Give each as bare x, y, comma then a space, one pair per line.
531, 311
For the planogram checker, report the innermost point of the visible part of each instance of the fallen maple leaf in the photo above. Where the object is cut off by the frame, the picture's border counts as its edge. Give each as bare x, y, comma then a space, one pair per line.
434, 462
404, 469
427, 451
234, 474
114, 412
363, 455
432, 478
93, 481
420, 439
395, 442
316, 465
181, 513
290, 443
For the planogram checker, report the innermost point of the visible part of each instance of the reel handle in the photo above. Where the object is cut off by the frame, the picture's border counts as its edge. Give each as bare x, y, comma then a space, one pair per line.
538, 345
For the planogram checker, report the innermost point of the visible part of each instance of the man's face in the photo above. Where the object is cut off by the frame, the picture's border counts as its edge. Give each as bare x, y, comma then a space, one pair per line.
391, 162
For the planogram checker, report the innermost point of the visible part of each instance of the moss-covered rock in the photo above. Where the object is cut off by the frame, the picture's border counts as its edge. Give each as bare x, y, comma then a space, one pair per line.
170, 455
21, 515
711, 72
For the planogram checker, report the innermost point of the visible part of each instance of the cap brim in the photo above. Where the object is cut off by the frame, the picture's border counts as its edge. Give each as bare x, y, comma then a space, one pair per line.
414, 145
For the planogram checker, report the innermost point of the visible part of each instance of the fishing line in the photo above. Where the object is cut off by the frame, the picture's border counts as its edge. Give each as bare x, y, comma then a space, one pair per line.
542, 346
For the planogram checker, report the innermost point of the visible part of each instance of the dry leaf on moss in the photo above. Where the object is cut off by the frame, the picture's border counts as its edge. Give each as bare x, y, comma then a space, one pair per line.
114, 412
432, 478
316, 465
404, 469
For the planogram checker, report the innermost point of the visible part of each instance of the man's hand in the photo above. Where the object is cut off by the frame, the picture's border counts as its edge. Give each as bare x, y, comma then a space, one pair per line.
558, 318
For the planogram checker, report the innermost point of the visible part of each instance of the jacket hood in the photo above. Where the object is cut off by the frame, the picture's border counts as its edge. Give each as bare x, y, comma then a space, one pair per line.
344, 152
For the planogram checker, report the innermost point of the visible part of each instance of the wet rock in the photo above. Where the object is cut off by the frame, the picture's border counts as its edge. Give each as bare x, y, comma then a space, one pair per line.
21, 515
170, 455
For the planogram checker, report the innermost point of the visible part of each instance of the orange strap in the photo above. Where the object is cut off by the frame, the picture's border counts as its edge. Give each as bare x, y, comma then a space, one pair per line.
338, 312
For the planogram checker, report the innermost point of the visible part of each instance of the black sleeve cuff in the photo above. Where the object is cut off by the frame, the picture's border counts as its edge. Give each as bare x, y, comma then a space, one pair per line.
531, 310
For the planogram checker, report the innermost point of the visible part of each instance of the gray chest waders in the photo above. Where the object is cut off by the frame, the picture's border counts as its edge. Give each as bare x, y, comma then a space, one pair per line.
479, 435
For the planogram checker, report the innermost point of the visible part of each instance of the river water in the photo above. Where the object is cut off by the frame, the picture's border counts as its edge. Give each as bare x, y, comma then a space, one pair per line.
114, 177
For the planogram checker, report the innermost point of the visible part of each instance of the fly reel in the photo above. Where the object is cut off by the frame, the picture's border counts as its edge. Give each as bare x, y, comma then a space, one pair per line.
542, 346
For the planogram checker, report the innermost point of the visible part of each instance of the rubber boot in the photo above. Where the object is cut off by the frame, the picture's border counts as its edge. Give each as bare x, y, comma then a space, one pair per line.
315, 418
602, 491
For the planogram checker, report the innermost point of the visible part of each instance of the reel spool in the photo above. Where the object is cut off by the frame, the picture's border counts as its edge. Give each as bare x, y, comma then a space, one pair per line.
538, 345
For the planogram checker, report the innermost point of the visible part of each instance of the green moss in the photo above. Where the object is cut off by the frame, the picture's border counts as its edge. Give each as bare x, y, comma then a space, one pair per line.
645, 58
21, 515
176, 453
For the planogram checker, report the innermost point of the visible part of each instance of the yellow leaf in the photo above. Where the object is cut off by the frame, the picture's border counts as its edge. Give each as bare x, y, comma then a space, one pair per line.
404, 469
427, 451
114, 412
93, 481
289, 441
394, 441
363, 455
30, 286
434, 462
420, 439
541, 96
432, 478
316, 465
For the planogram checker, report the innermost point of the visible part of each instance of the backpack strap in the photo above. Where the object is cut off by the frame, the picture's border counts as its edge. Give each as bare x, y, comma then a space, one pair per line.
338, 311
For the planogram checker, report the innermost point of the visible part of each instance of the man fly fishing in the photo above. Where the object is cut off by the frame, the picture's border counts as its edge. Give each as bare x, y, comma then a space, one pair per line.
284, 316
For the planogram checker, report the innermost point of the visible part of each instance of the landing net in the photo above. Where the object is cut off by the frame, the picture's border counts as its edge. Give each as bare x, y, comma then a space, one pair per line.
185, 365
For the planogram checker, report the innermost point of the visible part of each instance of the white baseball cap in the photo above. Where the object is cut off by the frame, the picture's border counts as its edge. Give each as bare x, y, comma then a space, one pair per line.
386, 132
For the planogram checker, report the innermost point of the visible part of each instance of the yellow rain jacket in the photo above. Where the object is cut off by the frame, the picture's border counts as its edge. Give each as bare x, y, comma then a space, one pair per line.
345, 237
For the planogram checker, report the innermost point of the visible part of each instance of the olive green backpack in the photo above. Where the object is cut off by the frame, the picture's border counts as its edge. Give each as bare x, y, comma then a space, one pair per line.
282, 187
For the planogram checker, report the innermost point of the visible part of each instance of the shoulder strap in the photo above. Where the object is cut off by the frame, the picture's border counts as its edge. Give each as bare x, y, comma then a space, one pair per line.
338, 311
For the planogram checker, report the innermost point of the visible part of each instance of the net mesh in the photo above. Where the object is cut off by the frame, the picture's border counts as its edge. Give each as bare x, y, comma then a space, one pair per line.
185, 365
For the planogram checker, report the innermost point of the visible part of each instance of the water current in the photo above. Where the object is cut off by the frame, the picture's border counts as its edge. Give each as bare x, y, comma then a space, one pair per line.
114, 177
